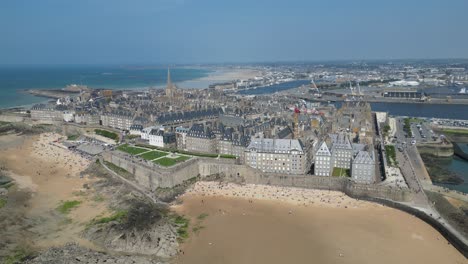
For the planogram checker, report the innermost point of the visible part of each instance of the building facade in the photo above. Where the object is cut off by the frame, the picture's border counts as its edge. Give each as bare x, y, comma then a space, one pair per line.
162, 139
201, 139
277, 156
322, 160
45, 114
122, 120
341, 151
363, 167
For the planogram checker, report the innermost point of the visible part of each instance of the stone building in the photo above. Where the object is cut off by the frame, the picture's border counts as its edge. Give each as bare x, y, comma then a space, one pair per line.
363, 167
119, 120
233, 143
87, 118
277, 156
45, 114
181, 137
341, 151
200, 138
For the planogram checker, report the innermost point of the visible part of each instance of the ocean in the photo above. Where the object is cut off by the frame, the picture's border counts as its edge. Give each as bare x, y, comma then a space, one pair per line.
15, 80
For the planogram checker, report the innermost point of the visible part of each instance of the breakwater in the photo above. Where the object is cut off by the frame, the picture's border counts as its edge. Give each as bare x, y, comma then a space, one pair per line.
437, 150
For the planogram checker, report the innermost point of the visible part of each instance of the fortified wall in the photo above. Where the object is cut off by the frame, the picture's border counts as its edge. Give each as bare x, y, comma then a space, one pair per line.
248, 175
153, 177
11, 118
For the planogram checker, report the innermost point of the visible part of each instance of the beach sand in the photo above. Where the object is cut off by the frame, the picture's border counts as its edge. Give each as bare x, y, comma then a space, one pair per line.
232, 74
51, 174
265, 224
221, 75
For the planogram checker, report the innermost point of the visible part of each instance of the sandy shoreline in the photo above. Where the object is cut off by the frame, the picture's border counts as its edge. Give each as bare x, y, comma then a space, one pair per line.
267, 224
295, 196
50, 174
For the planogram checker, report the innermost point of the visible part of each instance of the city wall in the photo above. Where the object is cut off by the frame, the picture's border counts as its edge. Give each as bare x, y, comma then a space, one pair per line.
11, 118
153, 177
248, 175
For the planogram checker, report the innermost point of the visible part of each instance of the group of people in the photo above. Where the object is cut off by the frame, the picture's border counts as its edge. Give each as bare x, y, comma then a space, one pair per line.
293, 195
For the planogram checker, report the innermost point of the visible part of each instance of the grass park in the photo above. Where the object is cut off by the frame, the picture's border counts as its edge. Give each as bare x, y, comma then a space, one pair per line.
341, 172
131, 150
153, 155
107, 134
167, 162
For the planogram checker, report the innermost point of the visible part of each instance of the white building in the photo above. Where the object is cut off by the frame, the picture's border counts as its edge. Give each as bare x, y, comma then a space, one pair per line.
159, 138
145, 132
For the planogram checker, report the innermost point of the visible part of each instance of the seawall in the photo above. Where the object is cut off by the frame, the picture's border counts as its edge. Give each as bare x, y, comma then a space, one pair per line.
436, 150
453, 239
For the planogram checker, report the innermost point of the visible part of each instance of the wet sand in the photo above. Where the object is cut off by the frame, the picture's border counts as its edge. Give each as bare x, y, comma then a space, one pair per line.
51, 174
243, 229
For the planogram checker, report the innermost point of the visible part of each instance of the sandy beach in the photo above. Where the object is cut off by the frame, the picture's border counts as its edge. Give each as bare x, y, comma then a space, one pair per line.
265, 224
50, 173
221, 75
231, 74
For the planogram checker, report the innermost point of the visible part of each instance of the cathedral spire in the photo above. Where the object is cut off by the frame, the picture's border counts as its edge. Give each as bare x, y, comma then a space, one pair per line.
169, 84
170, 87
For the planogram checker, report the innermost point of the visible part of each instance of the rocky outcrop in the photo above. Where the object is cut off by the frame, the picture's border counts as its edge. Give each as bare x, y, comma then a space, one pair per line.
159, 240
72, 253
143, 229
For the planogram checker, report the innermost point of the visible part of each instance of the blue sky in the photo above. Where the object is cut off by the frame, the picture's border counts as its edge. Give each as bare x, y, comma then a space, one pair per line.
201, 31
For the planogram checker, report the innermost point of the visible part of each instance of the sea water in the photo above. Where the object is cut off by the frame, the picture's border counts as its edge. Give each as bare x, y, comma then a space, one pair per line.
15, 80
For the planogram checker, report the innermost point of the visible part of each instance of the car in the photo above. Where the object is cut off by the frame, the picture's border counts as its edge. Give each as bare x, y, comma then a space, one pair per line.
413, 142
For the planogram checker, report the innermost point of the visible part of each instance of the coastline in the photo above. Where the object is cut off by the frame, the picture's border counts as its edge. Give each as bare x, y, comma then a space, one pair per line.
211, 75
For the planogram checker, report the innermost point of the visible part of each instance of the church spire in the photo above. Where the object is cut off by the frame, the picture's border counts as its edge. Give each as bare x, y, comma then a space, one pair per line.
170, 87
169, 84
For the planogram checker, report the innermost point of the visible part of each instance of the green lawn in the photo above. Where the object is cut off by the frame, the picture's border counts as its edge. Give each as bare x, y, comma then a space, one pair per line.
167, 162
341, 172
107, 134
455, 131
206, 155
391, 155
153, 155
131, 150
